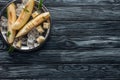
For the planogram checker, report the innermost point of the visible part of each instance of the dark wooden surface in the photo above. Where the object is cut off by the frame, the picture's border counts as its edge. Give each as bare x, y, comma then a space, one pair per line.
84, 44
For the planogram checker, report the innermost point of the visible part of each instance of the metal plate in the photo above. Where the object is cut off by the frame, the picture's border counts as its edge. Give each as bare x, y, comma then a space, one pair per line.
23, 48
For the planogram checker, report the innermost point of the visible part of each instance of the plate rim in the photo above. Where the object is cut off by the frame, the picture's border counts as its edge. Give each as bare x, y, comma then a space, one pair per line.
35, 48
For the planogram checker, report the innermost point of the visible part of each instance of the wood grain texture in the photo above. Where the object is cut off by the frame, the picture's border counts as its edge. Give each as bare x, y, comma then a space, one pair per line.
75, 2
81, 34
63, 56
80, 2
59, 71
75, 41
86, 13
84, 44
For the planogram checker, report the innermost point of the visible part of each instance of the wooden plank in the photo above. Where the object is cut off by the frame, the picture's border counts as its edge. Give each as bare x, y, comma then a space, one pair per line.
75, 2
83, 35
85, 13
79, 36
80, 2
98, 56
85, 28
99, 44
59, 71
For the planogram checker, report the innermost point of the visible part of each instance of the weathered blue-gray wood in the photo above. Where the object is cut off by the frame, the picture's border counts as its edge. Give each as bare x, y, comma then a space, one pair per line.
59, 71
96, 41
110, 55
86, 13
80, 2
76, 2
84, 44
79, 35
